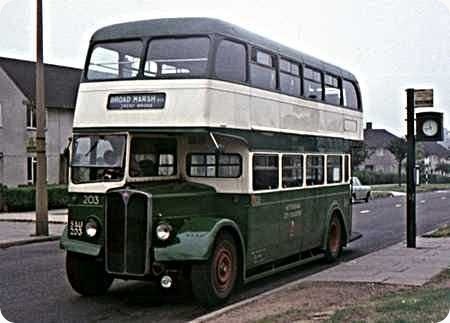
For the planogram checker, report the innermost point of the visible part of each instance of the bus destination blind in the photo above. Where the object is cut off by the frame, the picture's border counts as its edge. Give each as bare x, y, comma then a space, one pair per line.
136, 101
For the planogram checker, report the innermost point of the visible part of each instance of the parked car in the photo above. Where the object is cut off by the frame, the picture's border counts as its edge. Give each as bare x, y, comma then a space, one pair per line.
359, 191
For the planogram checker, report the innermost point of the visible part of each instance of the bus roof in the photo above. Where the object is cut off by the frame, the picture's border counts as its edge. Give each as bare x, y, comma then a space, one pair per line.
199, 26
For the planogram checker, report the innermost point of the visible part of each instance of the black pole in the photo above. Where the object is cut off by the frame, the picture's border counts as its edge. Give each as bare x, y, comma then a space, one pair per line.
411, 170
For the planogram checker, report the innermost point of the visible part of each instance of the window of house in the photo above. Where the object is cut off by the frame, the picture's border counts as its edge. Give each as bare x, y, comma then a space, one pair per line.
231, 61
214, 165
314, 170
290, 77
31, 170
265, 172
312, 83
334, 169
332, 90
350, 95
292, 166
31, 117
347, 168
262, 70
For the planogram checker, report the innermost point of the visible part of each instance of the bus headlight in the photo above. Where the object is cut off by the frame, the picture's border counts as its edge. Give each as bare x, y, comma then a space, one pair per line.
91, 227
163, 231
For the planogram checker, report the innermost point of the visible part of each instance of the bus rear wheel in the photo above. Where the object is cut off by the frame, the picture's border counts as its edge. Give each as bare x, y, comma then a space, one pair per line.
86, 275
214, 280
334, 240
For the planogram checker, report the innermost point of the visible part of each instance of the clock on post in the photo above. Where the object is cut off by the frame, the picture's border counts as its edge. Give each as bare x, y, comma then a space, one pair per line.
429, 126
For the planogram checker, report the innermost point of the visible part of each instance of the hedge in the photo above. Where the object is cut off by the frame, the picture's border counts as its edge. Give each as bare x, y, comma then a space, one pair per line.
376, 178
23, 198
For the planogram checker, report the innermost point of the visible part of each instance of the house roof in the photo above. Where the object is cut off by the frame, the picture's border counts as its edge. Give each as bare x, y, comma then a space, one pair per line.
61, 83
434, 149
378, 138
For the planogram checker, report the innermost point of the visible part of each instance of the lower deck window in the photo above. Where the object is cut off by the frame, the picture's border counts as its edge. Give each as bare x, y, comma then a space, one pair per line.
314, 170
292, 171
214, 165
265, 172
347, 168
334, 169
152, 157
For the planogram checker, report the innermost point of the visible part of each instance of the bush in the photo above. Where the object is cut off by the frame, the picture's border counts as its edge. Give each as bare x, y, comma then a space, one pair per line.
23, 198
375, 178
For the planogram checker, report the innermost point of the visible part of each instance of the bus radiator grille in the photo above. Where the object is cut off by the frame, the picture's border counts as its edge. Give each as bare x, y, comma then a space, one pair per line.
128, 232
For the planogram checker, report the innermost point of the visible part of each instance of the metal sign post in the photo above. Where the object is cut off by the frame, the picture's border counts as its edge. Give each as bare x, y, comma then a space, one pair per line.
417, 99
410, 172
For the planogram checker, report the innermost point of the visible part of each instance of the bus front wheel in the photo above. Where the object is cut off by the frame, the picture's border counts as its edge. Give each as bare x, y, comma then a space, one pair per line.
334, 240
214, 280
86, 275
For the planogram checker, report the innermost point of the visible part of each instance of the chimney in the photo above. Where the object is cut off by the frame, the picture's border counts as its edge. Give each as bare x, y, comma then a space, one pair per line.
369, 126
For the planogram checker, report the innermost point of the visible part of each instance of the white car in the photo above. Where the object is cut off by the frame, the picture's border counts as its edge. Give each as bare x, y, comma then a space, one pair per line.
359, 191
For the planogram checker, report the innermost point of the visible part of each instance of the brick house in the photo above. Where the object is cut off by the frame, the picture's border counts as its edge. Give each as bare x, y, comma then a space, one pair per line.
380, 158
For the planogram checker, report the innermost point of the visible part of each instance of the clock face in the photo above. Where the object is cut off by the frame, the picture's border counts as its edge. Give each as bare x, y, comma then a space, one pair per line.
430, 128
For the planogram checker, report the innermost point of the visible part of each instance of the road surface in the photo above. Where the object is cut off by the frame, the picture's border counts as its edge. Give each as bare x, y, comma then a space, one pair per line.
33, 286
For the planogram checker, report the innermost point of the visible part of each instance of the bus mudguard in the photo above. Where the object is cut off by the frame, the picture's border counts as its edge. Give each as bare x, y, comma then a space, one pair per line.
82, 247
195, 240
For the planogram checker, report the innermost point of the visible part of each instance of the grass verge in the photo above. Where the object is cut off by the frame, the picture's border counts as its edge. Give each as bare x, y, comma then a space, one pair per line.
424, 304
442, 232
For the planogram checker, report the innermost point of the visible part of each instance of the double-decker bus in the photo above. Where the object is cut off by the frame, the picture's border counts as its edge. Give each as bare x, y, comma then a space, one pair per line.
203, 150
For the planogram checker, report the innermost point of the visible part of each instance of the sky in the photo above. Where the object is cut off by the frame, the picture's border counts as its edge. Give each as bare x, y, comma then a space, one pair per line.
390, 45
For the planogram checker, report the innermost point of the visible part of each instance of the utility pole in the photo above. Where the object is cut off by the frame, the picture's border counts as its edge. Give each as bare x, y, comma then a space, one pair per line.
410, 172
41, 179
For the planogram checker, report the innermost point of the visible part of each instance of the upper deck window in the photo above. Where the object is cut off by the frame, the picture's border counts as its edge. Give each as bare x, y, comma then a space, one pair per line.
312, 83
168, 57
350, 95
231, 61
115, 60
332, 90
289, 77
262, 70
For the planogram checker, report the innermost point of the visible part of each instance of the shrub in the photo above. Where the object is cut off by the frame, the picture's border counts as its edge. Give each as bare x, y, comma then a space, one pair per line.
23, 198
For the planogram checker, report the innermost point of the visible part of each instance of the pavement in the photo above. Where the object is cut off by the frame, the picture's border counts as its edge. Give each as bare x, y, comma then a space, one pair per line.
396, 265
18, 228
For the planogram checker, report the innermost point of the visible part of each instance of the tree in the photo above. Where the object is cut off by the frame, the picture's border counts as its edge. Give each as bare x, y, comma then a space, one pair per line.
399, 149
360, 153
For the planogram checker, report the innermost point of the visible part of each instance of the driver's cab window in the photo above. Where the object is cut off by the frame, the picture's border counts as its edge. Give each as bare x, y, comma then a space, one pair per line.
153, 157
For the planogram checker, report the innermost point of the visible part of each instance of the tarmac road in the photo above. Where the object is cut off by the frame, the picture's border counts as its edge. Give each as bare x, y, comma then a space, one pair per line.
33, 287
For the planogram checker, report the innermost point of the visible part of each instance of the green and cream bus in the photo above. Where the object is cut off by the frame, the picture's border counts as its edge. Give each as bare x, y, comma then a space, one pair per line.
203, 150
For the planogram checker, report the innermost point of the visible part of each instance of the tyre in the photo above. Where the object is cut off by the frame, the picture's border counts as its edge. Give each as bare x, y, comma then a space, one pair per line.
367, 197
86, 275
214, 280
334, 240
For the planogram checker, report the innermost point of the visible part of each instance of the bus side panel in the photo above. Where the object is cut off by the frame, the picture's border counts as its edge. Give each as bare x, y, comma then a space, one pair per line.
263, 230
